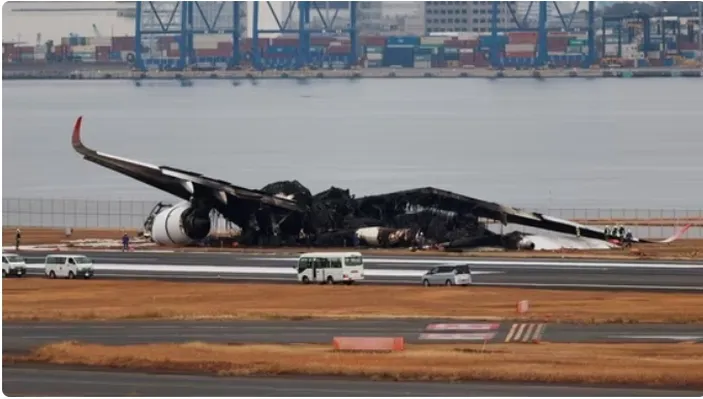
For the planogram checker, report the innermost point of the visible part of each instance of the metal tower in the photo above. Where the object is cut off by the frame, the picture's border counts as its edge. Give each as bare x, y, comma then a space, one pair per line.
520, 23
303, 30
160, 24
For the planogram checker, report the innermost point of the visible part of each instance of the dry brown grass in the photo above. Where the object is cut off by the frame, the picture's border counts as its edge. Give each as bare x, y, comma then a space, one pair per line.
654, 365
685, 249
43, 299
45, 235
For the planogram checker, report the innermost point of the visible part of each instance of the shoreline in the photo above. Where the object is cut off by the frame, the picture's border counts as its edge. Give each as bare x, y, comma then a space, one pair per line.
376, 73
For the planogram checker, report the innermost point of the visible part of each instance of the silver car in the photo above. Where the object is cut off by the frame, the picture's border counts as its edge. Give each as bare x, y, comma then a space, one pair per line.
448, 275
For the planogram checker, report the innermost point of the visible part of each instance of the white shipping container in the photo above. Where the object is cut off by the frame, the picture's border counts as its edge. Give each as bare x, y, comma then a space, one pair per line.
374, 57
519, 48
39, 56
99, 41
432, 40
174, 46
466, 50
611, 48
205, 42
423, 64
556, 53
654, 54
83, 49
469, 36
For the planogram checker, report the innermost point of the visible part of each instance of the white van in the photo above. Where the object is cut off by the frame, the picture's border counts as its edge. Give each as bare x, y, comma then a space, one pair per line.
70, 266
330, 267
13, 265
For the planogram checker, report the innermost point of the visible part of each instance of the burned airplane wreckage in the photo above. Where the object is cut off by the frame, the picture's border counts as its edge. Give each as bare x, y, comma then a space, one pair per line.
287, 213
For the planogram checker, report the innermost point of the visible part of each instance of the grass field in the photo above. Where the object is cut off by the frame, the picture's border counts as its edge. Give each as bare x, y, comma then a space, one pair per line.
654, 365
44, 299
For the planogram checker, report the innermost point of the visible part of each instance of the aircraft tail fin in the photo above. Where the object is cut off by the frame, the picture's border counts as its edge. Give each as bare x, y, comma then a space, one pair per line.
678, 234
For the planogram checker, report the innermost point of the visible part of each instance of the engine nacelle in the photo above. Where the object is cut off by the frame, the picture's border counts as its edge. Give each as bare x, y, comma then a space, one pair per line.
181, 224
526, 243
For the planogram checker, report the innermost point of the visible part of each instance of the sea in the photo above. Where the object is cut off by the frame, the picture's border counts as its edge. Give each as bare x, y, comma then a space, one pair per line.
564, 143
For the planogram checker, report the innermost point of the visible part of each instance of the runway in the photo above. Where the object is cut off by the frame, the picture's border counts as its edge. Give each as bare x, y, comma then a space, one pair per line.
48, 381
557, 273
21, 336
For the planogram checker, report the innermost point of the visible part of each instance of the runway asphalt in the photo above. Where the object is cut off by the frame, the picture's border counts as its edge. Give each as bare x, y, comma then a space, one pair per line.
639, 275
21, 336
47, 381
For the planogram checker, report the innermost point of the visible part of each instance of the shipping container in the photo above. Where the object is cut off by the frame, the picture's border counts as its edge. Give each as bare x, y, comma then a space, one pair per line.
420, 64
373, 64
520, 54
486, 42
399, 56
461, 43
423, 57
690, 54
432, 40
321, 41
466, 59
656, 62
374, 50
341, 49
285, 42
519, 48
630, 63
123, 43
378, 41
100, 41
404, 40
374, 57
274, 49
522, 37
557, 43
115, 56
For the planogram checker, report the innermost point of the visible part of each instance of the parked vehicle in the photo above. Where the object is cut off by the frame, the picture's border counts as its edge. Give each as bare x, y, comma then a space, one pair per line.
13, 265
68, 266
448, 275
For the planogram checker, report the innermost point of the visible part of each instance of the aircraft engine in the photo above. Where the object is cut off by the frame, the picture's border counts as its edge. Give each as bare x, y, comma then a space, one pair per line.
525, 243
181, 224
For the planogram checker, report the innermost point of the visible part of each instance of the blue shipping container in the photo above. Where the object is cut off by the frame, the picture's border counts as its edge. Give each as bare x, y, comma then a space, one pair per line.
690, 54
668, 62
413, 40
115, 56
399, 56
423, 57
487, 41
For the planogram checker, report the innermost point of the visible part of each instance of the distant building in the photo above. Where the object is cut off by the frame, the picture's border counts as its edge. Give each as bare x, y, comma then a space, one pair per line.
464, 16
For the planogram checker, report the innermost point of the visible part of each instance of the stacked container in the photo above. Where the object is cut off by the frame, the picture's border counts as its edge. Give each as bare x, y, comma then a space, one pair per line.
521, 45
374, 56
400, 51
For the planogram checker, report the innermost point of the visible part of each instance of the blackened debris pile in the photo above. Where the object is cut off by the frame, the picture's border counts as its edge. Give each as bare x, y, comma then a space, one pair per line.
335, 217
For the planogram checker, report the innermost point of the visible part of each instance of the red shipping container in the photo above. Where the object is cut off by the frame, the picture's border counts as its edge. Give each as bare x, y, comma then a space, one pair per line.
321, 41
557, 43
686, 45
377, 41
285, 41
520, 54
466, 59
453, 43
343, 49
522, 37
123, 43
173, 53
627, 63
211, 53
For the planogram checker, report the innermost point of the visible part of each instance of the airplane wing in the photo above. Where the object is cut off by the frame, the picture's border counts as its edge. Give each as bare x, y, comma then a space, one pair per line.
181, 183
